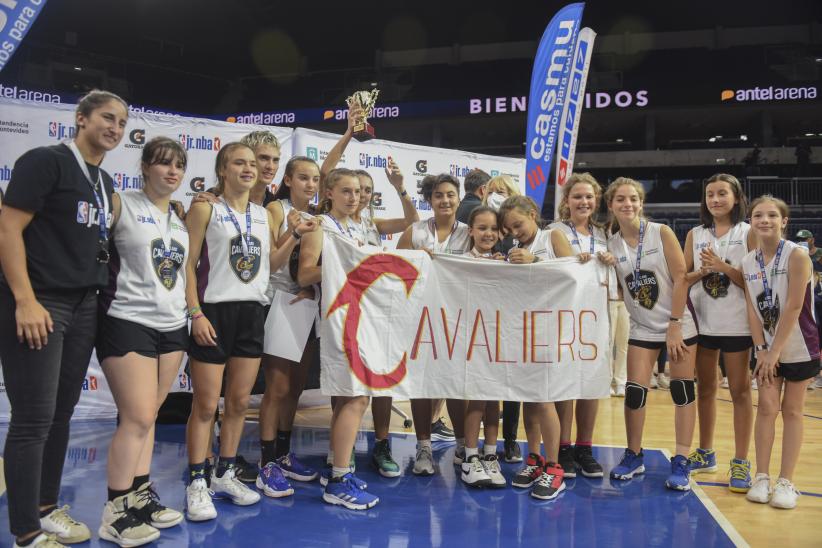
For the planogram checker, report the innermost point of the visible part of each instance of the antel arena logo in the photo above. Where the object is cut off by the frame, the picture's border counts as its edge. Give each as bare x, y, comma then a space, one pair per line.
598, 99
137, 138
769, 93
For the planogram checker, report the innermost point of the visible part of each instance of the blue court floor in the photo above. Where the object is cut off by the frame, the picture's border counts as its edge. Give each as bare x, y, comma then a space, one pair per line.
413, 511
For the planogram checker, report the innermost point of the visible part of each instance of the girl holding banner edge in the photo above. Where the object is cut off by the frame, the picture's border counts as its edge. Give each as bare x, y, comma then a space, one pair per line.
228, 273
57, 210
580, 200
778, 287
651, 269
713, 255
441, 233
370, 229
341, 189
520, 218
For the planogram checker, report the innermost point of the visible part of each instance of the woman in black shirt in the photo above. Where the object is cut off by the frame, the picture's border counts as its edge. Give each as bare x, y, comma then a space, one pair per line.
54, 230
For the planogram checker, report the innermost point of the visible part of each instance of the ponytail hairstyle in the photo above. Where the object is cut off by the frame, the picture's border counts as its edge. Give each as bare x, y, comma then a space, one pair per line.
93, 100
431, 182
613, 225
161, 149
331, 180
283, 190
522, 204
222, 161
364, 173
740, 210
780, 204
476, 212
587, 178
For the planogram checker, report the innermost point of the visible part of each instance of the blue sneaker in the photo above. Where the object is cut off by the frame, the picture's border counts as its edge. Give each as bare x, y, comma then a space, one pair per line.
680, 478
272, 482
702, 461
631, 465
325, 477
294, 469
740, 476
344, 491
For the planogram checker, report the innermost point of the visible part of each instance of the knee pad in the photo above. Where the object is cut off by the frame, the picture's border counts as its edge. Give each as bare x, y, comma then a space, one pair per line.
636, 395
683, 392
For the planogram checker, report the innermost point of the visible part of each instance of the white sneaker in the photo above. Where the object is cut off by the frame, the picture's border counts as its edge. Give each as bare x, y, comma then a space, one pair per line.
43, 541
613, 392
148, 508
122, 526
760, 490
654, 381
230, 487
664, 382
64, 528
473, 472
754, 385
424, 463
817, 383
724, 382
785, 494
199, 506
491, 465
620, 391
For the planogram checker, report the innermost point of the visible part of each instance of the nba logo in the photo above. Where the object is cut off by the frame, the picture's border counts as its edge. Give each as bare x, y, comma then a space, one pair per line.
52, 129
82, 212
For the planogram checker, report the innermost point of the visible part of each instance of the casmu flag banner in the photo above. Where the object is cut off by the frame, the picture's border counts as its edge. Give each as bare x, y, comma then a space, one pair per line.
549, 81
403, 324
572, 112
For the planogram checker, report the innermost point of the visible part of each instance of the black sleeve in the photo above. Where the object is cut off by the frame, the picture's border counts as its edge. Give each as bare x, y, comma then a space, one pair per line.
34, 177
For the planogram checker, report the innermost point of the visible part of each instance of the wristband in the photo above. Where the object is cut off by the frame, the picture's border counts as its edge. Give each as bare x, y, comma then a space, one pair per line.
296, 234
193, 311
197, 316
761, 347
676, 320
404, 193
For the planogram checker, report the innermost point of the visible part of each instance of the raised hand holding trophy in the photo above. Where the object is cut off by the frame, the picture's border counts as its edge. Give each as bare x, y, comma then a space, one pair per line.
363, 101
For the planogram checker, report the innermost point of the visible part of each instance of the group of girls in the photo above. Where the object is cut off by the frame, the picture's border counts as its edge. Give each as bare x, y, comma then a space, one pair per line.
219, 267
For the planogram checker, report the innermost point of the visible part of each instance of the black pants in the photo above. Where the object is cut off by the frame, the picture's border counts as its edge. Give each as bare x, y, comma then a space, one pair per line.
43, 387
510, 420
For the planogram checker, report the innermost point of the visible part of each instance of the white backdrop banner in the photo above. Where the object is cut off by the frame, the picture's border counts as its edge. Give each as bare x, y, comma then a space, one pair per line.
415, 162
401, 324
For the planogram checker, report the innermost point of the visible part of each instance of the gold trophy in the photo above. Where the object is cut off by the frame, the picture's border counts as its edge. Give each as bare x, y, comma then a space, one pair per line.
362, 130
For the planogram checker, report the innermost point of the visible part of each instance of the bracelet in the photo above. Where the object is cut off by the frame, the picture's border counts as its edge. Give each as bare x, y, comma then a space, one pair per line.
296, 234
197, 316
676, 320
193, 311
404, 193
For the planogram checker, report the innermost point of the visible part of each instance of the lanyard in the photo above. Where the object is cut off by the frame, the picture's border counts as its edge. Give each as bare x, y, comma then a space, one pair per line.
340, 227
102, 203
640, 240
731, 233
761, 260
576, 236
244, 238
441, 247
166, 238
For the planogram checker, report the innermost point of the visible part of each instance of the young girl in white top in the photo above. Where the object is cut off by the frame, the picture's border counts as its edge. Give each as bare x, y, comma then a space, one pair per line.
520, 218
482, 472
651, 269
442, 233
778, 286
713, 255
341, 196
580, 200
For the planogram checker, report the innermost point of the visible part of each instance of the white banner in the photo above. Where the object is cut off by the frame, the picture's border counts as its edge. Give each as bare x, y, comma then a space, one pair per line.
415, 161
402, 324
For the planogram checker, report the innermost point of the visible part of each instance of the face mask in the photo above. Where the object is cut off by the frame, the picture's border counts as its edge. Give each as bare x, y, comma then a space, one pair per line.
495, 200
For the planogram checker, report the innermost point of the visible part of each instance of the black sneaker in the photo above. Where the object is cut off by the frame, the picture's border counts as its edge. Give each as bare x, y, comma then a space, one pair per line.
245, 471
550, 484
440, 432
512, 452
588, 465
566, 461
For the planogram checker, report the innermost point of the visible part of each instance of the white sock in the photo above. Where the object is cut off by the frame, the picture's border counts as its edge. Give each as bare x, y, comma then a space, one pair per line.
471, 451
489, 449
330, 458
339, 472
424, 443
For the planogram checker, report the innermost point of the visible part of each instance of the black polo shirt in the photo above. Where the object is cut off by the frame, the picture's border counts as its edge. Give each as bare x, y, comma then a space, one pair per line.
62, 240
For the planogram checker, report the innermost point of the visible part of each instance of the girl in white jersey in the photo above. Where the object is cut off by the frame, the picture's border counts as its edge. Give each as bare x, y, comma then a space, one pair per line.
341, 196
441, 233
142, 336
579, 203
519, 216
713, 255
233, 248
651, 270
778, 287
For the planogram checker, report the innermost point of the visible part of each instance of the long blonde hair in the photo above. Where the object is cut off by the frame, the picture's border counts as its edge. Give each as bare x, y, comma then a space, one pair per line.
576, 178
331, 180
613, 225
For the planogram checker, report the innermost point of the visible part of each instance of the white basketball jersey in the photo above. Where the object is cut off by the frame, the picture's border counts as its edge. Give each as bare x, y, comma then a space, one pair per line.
803, 339
345, 229
581, 243
281, 278
648, 300
147, 271
424, 236
366, 229
225, 273
719, 304
541, 246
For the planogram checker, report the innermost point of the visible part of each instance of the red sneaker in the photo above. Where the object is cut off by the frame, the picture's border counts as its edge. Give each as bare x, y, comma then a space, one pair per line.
550, 483
530, 473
